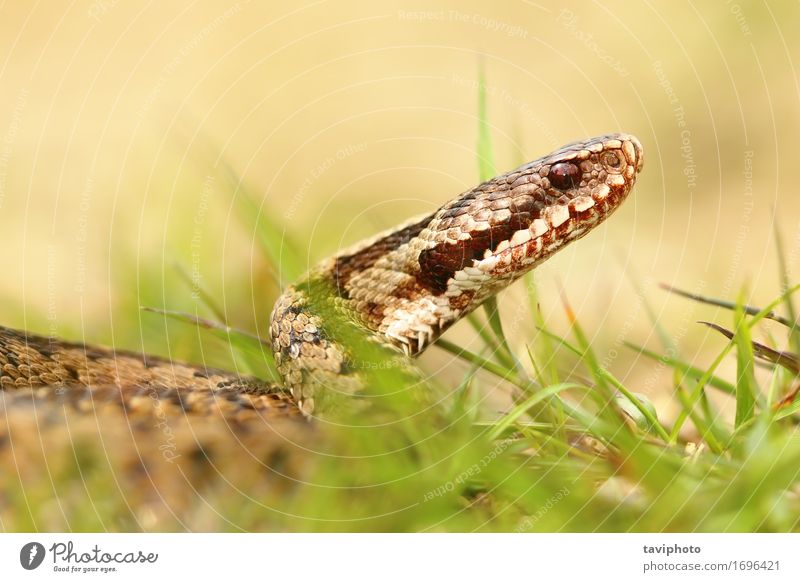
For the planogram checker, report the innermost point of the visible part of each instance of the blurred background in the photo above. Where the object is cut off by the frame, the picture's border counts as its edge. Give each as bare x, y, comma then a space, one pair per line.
346, 117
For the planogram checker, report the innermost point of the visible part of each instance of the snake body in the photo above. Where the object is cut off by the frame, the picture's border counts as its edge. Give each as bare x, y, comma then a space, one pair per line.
403, 289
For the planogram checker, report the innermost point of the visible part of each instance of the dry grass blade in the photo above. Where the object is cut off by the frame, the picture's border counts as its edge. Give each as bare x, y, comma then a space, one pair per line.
784, 359
205, 323
749, 310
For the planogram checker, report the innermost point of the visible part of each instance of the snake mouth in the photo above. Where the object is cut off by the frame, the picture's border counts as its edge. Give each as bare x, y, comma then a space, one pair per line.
557, 226
578, 214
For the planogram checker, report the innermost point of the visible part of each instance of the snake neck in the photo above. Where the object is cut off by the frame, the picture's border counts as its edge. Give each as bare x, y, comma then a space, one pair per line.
323, 345
406, 286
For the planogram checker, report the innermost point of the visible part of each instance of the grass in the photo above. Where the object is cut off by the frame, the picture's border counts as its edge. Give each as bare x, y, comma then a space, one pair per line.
576, 452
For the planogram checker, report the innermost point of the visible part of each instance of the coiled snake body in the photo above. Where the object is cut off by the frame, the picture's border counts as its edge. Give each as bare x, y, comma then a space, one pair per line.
404, 287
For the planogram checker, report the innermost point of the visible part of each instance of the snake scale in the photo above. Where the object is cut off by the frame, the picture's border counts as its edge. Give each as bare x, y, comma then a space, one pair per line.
404, 288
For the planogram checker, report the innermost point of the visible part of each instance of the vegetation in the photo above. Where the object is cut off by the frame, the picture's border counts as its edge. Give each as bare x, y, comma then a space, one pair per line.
576, 452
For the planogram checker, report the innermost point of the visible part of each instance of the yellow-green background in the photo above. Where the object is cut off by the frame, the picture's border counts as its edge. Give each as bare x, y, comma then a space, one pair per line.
347, 117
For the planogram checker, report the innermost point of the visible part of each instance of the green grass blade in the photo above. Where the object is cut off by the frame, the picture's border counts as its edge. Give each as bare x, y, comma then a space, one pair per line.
586, 352
689, 403
493, 315
473, 358
704, 379
794, 332
544, 344
697, 394
646, 411
486, 171
486, 165
561, 341
282, 254
490, 339
525, 406
767, 312
687, 369
204, 296
746, 387
256, 351
666, 340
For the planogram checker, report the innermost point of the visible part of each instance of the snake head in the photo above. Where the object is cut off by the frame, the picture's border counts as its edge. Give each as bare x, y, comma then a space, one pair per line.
504, 227
411, 283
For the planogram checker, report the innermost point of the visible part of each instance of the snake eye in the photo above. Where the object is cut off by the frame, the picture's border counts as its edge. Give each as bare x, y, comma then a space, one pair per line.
612, 161
564, 175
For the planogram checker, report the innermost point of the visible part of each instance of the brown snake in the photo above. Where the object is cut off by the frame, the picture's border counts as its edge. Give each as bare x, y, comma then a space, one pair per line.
404, 287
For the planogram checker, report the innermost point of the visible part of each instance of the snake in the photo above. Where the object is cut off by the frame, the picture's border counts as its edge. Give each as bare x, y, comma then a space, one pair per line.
401, 290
